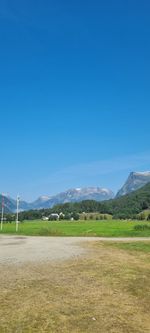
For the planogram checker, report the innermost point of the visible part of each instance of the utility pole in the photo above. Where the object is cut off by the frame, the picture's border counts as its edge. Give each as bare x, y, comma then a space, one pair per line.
17, 213
2, 214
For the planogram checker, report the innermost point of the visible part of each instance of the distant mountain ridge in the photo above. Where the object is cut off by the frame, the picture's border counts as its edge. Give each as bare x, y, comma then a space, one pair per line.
135, 181
74, 195
71, 195
8, 204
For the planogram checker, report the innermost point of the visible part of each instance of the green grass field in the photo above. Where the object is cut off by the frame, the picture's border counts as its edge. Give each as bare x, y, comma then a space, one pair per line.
107, 228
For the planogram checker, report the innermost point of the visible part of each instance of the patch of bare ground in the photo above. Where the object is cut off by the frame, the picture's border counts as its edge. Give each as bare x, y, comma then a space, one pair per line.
105, 291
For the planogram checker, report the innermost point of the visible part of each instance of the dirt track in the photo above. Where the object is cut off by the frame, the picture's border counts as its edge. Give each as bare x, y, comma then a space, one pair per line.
99, 288
20, 249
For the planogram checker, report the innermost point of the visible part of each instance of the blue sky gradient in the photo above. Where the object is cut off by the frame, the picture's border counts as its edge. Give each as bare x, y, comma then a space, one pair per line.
74, 94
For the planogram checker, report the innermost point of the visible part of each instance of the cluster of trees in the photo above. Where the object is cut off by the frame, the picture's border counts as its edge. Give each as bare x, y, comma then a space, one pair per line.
9, 217
96, 216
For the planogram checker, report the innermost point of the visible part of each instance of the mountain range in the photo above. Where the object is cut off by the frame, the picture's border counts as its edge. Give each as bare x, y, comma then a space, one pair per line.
128, 206
135, 181
71, 195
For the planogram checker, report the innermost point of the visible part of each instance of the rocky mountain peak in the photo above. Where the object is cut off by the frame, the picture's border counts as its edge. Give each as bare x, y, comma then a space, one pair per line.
135, 181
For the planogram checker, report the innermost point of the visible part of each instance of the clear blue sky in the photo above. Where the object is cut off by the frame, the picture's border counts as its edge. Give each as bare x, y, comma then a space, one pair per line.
74, 94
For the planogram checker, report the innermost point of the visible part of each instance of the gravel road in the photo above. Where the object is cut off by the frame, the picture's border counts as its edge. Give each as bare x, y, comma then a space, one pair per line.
22, 249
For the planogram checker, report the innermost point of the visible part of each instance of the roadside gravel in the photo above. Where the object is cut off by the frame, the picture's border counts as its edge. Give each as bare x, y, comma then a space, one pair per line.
22, 249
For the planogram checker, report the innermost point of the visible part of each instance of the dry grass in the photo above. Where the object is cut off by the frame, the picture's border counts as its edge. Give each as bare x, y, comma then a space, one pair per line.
106, 292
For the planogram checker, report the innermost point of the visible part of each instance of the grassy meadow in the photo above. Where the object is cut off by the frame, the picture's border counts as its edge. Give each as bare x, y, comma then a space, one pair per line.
106, 228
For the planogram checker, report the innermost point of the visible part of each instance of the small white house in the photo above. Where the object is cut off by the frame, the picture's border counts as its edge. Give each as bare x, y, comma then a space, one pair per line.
45, 218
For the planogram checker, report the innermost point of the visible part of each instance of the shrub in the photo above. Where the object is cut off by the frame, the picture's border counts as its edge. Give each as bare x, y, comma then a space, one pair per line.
76, 216
148, 217
141, 227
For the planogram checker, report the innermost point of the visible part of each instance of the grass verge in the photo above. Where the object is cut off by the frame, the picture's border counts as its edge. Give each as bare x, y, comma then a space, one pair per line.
107, 228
